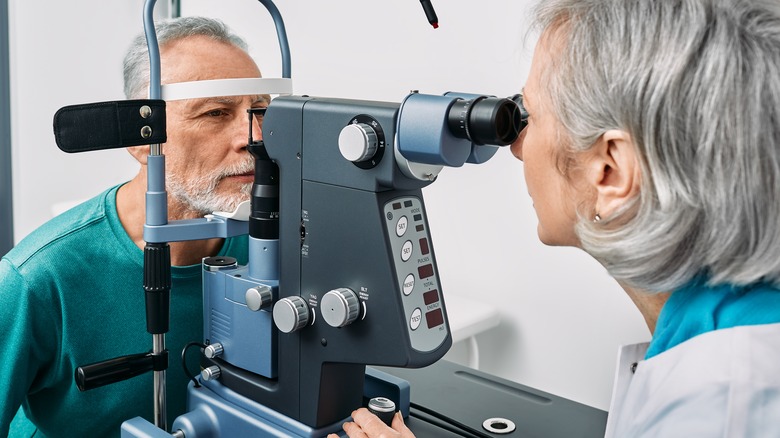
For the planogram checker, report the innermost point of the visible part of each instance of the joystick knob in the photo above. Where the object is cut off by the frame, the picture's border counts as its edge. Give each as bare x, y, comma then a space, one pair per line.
291, 314
383, 408
340, 307
358, 142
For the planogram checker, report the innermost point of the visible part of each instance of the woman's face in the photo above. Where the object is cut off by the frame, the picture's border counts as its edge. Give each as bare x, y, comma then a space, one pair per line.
554, 196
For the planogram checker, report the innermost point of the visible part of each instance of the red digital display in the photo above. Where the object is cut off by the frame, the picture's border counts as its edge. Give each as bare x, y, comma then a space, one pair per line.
434, 318
431, 297
424, 246
425, 271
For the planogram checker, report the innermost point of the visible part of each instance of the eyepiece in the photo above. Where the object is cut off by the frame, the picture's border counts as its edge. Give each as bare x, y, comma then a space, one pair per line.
518, 99
485, 120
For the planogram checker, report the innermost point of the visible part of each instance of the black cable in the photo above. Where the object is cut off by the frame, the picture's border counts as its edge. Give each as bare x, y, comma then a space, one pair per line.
440, 424
184, 362
463, 428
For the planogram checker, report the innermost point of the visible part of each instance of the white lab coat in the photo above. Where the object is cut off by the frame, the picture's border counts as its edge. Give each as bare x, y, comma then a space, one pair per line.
724, 383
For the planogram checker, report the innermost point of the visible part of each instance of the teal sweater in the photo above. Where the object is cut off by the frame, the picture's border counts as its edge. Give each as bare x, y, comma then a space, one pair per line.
71, 294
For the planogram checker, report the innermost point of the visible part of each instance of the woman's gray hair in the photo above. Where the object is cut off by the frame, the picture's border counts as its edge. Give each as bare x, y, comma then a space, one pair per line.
696, 84
136, 64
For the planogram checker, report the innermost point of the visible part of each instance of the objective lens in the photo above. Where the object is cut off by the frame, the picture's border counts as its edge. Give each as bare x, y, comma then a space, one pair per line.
485, 120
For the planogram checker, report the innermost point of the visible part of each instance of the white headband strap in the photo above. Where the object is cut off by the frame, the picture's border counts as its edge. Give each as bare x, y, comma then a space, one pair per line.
226, 87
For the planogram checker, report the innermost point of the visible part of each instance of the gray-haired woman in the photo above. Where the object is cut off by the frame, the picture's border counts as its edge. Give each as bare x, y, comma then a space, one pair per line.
653, 144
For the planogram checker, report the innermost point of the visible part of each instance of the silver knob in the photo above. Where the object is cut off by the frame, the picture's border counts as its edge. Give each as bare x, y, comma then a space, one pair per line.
291, 314
258, 297
358, 142
340, 307
211, 373
213, 350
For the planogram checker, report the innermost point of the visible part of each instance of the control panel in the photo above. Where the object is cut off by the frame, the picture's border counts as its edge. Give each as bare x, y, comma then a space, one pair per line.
407, 230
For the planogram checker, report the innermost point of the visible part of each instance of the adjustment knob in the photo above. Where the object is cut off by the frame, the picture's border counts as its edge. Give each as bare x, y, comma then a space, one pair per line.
258, 297
358, 142
340, 307
213, 350
211, 373
291, 314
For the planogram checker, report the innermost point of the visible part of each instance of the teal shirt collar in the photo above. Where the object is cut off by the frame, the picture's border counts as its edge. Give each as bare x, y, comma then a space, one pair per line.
698, 308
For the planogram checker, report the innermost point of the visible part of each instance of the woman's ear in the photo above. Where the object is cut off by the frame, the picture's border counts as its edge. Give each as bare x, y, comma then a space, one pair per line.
139, 153
613, 171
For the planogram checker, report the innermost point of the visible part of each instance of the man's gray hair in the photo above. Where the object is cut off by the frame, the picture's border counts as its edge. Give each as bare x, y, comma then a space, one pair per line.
136, 64
696, 84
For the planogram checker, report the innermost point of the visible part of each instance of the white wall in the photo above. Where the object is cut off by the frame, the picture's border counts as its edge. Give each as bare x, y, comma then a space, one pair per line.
63, 53
562, 316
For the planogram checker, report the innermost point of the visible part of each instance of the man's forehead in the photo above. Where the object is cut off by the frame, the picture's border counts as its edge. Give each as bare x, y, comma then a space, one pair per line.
229, 100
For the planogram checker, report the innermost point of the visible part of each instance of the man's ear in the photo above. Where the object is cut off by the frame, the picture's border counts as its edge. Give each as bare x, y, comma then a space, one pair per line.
139, 153
613, 171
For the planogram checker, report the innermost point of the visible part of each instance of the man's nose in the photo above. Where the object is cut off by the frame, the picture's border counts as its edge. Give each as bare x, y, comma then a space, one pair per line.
517, 146
257, 127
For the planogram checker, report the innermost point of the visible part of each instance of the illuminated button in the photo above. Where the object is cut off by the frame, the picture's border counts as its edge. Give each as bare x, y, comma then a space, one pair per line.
408, 284
396, 205
434, 318
400, 226
406, 250
416, 319
424, 246
425, 271
431, 297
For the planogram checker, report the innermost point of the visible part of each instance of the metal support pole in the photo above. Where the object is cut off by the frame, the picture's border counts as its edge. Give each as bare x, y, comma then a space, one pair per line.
6, 191
160, 402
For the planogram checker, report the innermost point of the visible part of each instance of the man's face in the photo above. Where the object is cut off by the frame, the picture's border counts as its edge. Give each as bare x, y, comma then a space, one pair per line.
208, 167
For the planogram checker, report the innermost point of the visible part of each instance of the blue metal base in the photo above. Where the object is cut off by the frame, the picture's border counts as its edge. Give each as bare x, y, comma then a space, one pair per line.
218, 411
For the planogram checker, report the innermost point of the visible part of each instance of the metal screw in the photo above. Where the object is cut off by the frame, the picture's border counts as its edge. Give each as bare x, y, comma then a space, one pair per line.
146, 131
145, 111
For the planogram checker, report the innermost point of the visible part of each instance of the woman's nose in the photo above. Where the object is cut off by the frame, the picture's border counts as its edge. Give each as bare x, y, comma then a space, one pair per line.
517, 146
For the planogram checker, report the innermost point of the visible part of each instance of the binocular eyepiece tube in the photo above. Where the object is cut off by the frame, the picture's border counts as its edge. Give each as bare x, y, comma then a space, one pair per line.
454, 129
486, 120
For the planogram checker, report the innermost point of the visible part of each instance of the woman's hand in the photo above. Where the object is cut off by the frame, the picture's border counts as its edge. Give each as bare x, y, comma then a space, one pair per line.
367, 425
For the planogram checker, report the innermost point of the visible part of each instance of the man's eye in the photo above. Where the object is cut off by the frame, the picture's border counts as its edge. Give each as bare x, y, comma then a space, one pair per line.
216, 113
259, 115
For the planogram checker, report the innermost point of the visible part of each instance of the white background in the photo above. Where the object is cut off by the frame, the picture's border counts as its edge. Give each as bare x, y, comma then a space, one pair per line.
562, 316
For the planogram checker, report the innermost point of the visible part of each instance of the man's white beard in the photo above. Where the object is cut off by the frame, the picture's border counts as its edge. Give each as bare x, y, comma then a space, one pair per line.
198, 193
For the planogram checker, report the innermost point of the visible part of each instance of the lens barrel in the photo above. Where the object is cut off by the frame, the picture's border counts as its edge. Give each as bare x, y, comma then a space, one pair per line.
485, 120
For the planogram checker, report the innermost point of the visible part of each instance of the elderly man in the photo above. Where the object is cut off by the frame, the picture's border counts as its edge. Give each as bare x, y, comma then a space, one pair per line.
70, 293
